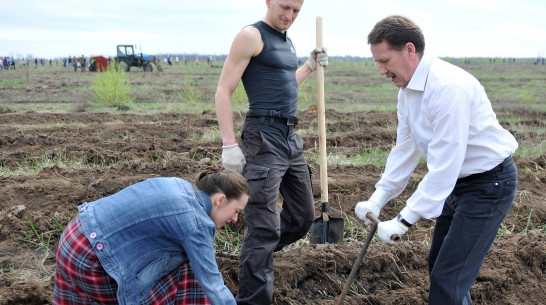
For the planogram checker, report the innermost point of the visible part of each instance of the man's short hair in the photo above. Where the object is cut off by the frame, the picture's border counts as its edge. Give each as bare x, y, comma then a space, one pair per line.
398, 31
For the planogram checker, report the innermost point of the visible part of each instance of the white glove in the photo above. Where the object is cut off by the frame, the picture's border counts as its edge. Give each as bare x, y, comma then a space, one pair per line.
364, 207
387, 229
317, 55
233, 158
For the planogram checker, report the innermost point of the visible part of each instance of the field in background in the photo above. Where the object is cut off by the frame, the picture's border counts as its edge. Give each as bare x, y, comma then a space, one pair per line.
349, 86
190, 88
59, 149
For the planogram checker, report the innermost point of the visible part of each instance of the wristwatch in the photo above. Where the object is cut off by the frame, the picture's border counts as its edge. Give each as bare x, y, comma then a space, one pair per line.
403, 221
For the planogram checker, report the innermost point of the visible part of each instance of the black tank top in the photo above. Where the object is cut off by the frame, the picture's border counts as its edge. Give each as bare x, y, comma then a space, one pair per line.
270, 77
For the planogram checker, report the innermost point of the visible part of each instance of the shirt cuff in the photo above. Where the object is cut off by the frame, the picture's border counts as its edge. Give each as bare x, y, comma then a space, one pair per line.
409, 216
380, 197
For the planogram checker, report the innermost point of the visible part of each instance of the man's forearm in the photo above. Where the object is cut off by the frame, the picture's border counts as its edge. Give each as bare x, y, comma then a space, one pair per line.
224, 115
302, 73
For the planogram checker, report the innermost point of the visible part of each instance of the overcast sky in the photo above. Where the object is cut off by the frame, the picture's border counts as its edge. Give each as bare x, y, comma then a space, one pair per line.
455, 28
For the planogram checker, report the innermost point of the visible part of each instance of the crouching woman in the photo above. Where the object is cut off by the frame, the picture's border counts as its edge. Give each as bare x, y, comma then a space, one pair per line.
150, 243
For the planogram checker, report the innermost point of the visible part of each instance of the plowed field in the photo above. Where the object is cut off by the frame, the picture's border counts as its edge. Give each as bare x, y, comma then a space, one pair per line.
52, 161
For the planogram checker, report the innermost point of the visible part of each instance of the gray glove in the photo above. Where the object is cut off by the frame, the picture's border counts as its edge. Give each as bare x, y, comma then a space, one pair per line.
317, 55
233, 158
364, 207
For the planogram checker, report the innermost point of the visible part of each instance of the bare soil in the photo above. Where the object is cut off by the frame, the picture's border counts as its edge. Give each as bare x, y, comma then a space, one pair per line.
513, 272
122, 149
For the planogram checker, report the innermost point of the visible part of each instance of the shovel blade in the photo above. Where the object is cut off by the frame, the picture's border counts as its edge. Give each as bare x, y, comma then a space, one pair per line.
327, 231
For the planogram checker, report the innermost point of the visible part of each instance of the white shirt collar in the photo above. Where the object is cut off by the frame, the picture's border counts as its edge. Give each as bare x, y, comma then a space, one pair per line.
419, 78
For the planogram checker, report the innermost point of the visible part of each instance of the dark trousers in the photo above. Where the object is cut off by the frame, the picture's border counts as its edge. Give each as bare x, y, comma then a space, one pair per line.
465, 231
275, 166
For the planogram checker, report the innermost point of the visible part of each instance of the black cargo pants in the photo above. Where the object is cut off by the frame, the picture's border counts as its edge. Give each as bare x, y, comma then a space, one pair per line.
274, 165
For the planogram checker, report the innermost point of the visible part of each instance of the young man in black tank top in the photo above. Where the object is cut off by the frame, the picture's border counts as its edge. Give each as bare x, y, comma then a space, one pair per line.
272, 160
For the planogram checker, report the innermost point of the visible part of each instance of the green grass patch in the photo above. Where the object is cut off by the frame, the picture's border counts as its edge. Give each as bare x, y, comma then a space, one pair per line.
42, 240
228, 241
372, 156
12, 82
31, 166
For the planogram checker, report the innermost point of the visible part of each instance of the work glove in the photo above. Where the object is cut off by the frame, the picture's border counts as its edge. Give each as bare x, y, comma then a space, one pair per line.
364, 207
233, 158
386, 229
317, 55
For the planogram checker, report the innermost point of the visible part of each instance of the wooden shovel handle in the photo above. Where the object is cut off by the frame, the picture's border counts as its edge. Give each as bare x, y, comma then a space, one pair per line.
321, 120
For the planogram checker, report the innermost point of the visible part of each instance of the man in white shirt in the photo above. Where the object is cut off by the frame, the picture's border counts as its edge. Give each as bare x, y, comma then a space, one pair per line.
445, 117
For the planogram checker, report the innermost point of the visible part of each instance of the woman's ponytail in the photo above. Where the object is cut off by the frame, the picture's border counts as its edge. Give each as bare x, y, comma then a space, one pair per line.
220, 180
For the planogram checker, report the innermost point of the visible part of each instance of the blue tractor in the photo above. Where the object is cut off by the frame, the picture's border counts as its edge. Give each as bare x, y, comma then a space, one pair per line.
126, 58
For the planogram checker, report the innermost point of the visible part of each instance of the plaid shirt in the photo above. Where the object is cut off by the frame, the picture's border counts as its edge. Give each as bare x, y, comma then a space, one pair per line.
80, 278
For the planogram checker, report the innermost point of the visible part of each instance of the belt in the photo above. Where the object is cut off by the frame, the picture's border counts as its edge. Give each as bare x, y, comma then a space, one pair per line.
283, 121
273, 115
497, 168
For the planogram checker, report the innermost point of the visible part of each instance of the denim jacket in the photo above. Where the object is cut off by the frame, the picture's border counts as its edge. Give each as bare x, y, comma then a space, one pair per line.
146, 230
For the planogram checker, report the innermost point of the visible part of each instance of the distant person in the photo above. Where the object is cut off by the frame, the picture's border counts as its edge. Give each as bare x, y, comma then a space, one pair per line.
93, 66
445, 117
176, 59
272, 160
150, 243
76, 63
83, 63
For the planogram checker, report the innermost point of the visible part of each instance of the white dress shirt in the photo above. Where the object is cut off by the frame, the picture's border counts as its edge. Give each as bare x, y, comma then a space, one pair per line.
444, 115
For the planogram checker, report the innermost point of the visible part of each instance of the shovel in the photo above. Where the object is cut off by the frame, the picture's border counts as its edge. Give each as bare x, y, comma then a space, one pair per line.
324, 229
356, 265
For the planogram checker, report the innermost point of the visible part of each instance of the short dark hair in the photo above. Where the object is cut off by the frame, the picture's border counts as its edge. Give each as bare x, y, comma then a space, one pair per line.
220, 180
398, 31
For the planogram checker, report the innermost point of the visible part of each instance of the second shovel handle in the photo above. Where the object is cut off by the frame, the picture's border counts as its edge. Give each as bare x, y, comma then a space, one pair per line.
321, 114
394, 237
